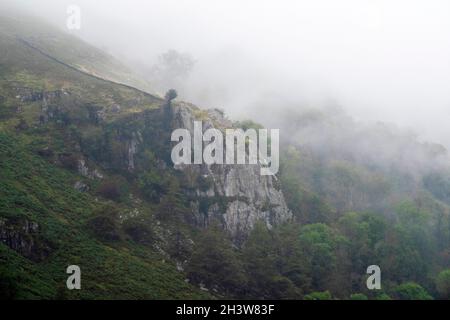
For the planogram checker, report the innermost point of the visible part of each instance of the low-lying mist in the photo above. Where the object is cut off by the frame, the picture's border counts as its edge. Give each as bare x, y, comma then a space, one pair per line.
378, 60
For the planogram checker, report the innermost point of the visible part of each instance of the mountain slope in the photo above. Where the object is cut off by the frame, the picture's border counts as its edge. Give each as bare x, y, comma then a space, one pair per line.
46, 223
67, 48
87, 178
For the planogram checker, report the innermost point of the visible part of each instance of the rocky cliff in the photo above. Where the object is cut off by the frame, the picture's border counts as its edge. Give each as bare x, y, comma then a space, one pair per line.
237, 195
104, 129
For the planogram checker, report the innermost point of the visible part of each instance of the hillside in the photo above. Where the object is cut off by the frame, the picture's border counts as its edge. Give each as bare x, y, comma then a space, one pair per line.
88, 156
87, 179
43, 216
65, 47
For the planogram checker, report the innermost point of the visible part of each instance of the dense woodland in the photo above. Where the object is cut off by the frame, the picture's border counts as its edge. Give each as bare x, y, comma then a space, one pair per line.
349, 213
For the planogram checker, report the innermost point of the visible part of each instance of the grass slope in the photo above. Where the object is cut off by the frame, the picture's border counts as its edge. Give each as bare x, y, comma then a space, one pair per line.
32, 189
36, 190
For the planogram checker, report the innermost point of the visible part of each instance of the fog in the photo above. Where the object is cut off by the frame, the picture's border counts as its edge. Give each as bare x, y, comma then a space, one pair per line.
378, 60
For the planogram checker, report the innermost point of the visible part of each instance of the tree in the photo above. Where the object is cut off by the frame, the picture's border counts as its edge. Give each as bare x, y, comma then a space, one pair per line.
153, 184
261, 259
319, 245
305, 204
69, 161
289, 260
172, 69
443, 284
139, 230
8, 284
172, 208
176, 64
411, 291
365, 233
105, 224
410, 248
170, 95
215, 264
109, 189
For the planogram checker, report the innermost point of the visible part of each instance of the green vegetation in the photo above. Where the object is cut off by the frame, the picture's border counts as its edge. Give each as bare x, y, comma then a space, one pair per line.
325, 295
358, 296
411, 291
85, 179
37, 191
171, 94
443, 284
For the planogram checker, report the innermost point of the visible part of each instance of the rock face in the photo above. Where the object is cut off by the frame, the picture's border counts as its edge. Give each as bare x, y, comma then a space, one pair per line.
29, 95
86, 172
132, 149
23, 236
235, 195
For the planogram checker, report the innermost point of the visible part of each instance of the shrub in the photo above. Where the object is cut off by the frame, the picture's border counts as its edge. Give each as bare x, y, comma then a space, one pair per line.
8, 284
171, 94
153, 185
443, 284
139, 230
358, 296
325, 295
69, 161
411, 291
45, 152
105, 224
215, 264
22, 125
109, 189
382, 296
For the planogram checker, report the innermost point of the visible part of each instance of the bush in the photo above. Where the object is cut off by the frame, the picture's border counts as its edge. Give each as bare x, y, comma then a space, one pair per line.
171, 94
325, 295
45, 152
358, 296
215, 264
248, 124
138, 230
443, 284
411, 291
8, 284
109, 189
153, 185
105, 224
69, 161
382, 296
22, 125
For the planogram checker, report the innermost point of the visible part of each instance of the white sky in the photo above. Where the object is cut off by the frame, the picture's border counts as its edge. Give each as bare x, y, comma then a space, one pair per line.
381, 60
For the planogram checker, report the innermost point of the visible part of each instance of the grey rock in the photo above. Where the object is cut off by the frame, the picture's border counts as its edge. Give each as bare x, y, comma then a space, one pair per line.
80, 186
86, 172
238, 195
132, 149
22, 236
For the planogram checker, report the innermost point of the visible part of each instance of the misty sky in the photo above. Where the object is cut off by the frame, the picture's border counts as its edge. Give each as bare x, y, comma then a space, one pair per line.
380, 60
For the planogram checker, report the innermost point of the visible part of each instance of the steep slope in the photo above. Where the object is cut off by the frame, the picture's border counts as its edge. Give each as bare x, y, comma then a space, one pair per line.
43, 230
86, 177
237, 194
67, 48
46, 222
